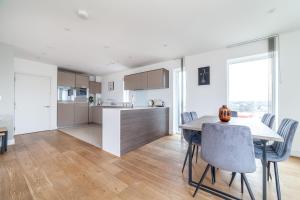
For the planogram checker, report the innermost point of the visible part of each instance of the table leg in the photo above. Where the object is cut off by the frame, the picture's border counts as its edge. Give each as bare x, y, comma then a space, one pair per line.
264, 165
190, 162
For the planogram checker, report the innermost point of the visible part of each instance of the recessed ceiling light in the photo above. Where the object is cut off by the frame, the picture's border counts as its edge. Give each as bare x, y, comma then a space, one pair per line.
82, 14
271, 11
67, 29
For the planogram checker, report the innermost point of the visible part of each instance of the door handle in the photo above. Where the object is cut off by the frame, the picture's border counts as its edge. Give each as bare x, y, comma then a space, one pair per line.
47, 106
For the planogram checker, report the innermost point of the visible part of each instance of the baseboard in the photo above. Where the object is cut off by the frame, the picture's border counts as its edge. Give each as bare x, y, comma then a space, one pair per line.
295, 153
11, 141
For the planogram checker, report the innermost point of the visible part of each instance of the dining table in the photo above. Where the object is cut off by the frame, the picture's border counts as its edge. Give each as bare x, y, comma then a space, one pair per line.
258, 130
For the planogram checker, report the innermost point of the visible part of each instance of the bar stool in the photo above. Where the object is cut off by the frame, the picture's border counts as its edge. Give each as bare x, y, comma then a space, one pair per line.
3, 135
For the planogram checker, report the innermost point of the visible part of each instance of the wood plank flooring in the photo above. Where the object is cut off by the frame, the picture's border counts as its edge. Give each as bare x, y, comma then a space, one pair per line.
53, 165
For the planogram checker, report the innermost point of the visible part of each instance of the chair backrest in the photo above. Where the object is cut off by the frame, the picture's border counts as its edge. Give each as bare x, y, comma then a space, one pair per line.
228, 147
234, 113
268, 119
286, 130
185, 118
194, 115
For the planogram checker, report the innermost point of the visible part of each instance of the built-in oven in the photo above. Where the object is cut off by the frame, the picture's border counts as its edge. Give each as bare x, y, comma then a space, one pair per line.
81, 92
82, 95
65, 94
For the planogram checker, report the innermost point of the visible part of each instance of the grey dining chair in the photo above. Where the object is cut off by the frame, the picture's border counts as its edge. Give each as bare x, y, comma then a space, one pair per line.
228, 147
279, 151
268, 119
194, 115
234, 113
190, 136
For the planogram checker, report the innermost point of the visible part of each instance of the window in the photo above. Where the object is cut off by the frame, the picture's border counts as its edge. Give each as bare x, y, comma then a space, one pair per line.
250, 88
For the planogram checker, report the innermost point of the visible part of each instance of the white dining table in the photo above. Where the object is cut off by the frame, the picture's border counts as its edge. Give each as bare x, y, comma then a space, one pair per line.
259, 131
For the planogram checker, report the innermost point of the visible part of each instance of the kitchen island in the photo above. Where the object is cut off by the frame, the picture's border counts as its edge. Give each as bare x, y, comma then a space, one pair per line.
126, 129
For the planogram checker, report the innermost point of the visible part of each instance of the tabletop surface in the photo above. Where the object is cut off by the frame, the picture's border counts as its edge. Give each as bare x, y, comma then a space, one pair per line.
258, 129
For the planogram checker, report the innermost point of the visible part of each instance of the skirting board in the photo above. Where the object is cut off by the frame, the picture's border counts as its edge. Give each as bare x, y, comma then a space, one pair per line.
11, 141
295, 153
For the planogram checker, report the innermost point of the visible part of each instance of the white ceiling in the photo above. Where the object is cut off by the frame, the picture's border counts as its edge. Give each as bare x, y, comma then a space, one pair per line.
120, 34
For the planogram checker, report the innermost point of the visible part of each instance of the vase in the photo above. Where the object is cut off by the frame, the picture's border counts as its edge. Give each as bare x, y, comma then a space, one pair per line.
224, 114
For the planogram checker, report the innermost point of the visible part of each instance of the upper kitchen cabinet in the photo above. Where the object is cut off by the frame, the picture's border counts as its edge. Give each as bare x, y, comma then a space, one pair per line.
136, 81
155, 79
95, 87
158, 79
65, 78
82, 81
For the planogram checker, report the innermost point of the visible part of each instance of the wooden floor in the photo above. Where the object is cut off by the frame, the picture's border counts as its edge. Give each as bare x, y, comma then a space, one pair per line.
53, 165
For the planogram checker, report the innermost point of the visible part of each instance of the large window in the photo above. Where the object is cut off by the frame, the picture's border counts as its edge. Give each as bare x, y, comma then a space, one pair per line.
250, 90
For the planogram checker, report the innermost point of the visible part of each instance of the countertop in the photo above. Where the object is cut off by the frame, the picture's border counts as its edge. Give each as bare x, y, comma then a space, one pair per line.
135, 108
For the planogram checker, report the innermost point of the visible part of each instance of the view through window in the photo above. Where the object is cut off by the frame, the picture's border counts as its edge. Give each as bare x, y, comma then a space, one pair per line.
250, 86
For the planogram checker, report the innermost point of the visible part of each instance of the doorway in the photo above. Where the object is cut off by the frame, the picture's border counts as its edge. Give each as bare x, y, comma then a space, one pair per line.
179, 97
32, 103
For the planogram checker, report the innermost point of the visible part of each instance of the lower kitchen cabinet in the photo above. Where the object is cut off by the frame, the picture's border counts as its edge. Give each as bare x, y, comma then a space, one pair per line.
96, 114
81, 115
65, 114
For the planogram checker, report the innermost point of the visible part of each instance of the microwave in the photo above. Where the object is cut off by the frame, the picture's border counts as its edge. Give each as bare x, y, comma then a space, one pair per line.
81, 92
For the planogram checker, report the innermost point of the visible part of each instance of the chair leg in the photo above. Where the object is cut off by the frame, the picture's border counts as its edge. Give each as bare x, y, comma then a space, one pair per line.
232, 178
248, 186
193, 151
197, 149
201, 180
2, 144
269, 171
242, 184
185, 159
277, 181
213, 174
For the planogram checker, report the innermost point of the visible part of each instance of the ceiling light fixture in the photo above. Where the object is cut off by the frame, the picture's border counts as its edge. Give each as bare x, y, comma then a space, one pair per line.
83, 14
271, 11
67, 29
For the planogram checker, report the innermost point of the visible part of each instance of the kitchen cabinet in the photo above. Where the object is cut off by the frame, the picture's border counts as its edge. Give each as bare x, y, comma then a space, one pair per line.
95, 87
65, 78
158, 79
96, 114
137, 81
155, 79
82, 81
65, 114
81, 115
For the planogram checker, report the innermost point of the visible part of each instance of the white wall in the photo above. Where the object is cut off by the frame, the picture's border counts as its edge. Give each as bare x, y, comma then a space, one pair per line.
289, 82
142, 97
7, 90
206, 99
37, 68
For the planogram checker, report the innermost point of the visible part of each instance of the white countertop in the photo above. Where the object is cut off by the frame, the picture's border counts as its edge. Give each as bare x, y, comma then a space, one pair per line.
135, 108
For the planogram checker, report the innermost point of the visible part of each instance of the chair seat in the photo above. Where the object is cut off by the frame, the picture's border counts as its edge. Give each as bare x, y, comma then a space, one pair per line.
271, 153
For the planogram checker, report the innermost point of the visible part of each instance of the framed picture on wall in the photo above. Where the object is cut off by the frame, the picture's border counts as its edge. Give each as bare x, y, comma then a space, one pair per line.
204, 75
111, 86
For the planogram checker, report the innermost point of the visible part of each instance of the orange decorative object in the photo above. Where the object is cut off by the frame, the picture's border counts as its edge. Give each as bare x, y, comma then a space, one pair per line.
224, 114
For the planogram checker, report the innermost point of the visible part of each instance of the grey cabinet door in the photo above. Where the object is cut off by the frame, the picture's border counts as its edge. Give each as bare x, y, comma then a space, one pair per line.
82, 81
95, 87
158, 79
66, 79
65, 114
96, 114
81, 113
136, 81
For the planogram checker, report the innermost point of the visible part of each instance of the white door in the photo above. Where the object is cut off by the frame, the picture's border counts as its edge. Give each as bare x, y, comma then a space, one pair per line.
32, 103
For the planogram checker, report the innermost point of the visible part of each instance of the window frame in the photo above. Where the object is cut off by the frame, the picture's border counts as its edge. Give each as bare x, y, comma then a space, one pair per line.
272, 82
